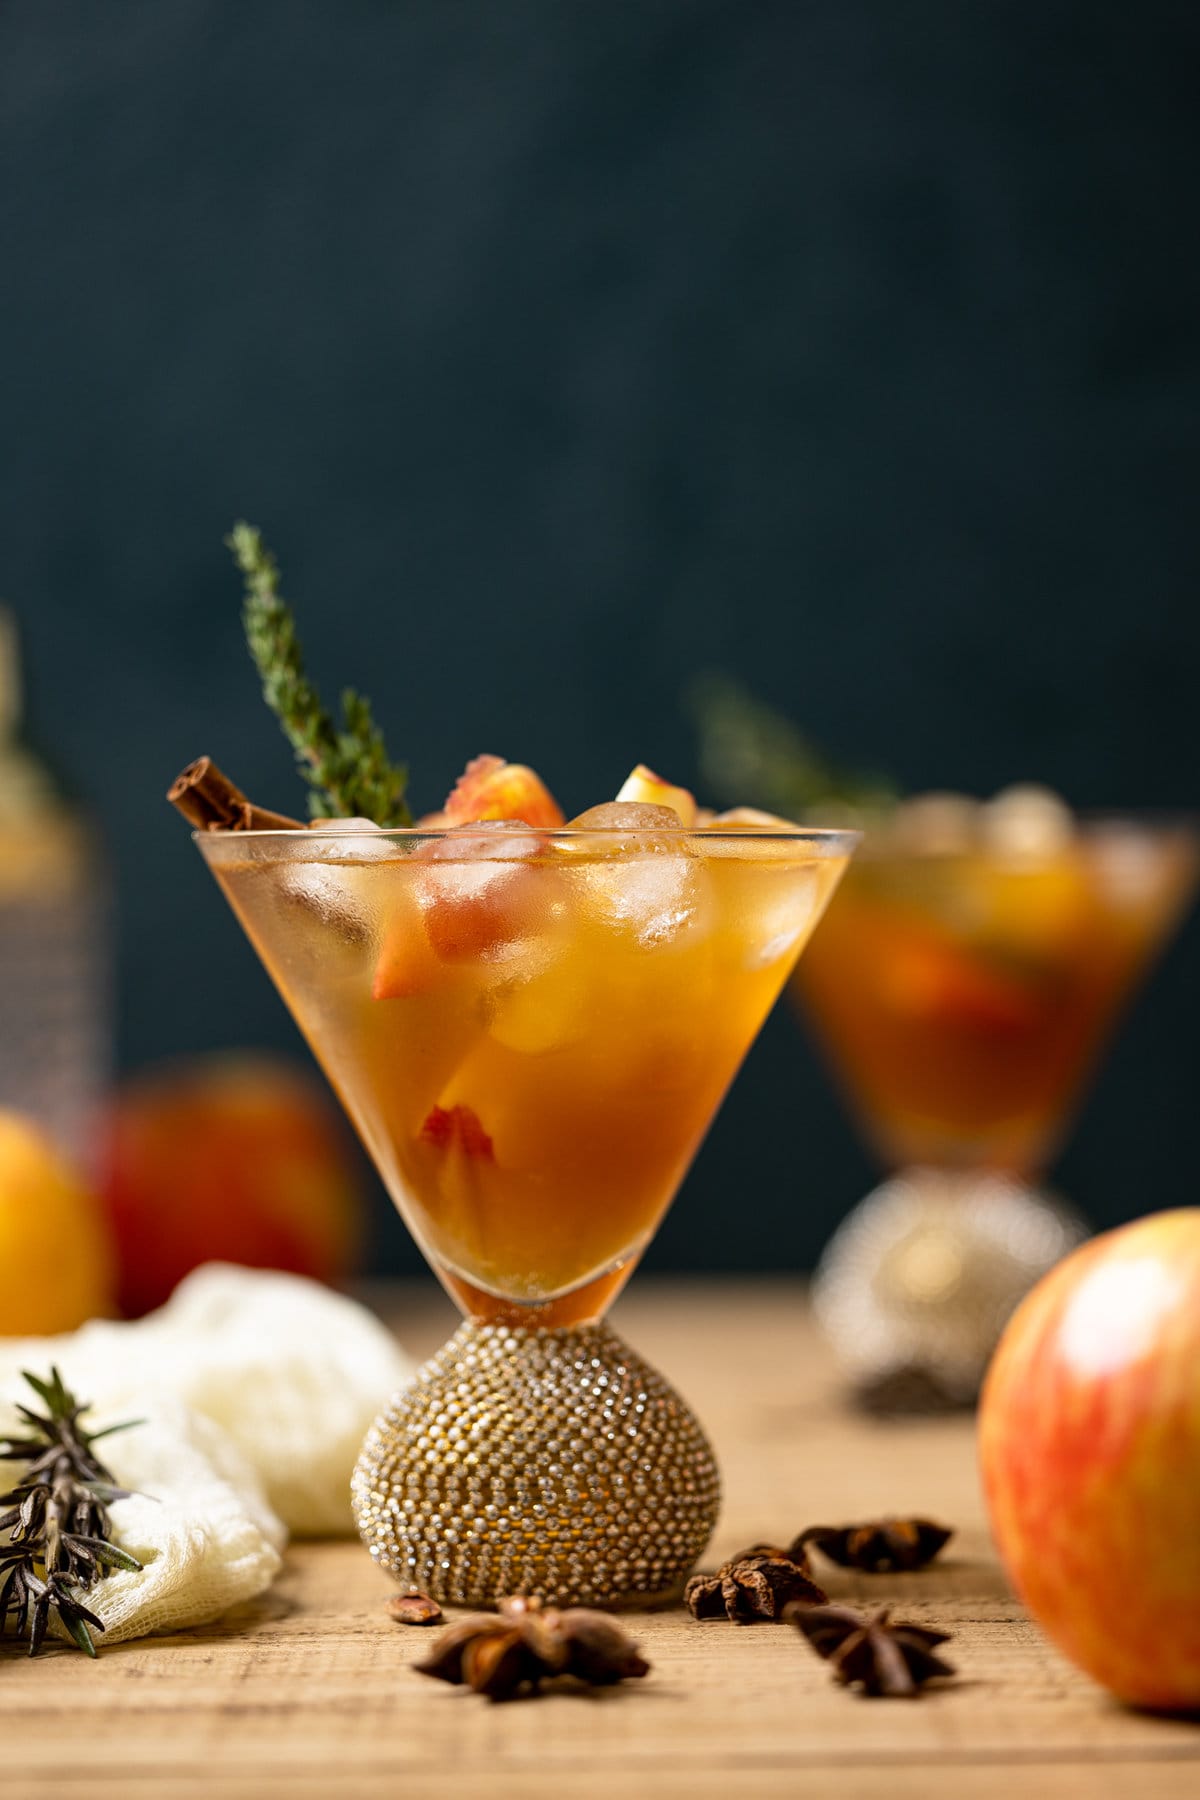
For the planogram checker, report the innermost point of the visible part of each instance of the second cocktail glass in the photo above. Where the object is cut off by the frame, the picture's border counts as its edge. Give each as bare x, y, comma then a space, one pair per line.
532, 1032
963, 987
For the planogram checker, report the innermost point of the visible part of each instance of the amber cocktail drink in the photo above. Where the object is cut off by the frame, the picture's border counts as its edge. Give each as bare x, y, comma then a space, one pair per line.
963, 996
532, 1031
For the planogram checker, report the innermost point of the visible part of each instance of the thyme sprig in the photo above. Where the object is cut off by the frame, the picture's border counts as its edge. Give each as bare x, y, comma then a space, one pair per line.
750, 750
347, 770
57, 1520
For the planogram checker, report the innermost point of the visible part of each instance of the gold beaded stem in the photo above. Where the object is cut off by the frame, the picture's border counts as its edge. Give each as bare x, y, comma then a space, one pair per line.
553, 1462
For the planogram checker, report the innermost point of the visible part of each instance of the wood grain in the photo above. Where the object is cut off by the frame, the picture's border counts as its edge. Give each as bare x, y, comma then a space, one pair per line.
307, 1691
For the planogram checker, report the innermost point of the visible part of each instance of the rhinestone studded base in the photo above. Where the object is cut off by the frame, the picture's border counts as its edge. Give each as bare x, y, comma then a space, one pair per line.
553, 1462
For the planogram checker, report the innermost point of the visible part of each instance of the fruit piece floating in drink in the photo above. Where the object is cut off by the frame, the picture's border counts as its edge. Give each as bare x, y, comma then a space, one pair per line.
531, 1022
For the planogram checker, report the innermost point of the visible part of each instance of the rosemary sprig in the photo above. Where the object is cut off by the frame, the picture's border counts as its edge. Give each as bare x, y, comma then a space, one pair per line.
58, 1526
347, 770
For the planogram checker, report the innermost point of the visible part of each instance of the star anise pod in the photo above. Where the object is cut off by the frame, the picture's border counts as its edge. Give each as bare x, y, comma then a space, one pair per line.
57, 1523
526, 1644
867, 1650
882, 1546
755, 1584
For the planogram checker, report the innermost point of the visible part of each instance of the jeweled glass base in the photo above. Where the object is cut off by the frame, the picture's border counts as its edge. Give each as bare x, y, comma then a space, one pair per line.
916, 1285
551, 1461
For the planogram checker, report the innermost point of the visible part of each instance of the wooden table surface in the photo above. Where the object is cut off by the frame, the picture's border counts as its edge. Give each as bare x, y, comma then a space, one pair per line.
307, 1691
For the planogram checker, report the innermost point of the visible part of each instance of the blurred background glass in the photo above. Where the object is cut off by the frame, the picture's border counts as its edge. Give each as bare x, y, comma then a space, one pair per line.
967, 982
55, 947
566, 352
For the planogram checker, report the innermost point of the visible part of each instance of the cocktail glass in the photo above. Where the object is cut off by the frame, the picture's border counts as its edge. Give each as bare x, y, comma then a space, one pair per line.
531, 1032
963, 995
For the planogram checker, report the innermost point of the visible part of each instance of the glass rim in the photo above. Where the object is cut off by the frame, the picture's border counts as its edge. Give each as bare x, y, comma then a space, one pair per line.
825, 839
1087, 825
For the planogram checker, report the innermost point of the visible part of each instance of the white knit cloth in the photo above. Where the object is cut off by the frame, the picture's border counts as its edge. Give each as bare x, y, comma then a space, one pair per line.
257, 1390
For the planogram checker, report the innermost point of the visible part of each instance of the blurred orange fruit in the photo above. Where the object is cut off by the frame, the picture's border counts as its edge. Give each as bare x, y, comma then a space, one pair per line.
56, 1252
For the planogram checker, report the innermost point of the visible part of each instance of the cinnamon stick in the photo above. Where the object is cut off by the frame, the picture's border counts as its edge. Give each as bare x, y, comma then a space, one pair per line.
211, 802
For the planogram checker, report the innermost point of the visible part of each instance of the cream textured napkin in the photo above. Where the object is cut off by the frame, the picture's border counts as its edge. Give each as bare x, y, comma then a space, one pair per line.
257, 1390
198, 1523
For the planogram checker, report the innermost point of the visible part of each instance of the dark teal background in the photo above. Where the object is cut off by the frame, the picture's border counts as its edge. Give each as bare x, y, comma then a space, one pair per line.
564, 350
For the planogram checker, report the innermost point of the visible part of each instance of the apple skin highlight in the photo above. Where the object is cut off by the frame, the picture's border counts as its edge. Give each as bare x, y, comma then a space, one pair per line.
1089, 1443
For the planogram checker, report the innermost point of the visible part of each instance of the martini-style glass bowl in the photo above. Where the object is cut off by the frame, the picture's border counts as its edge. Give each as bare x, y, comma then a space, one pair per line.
963, 992
532, 1032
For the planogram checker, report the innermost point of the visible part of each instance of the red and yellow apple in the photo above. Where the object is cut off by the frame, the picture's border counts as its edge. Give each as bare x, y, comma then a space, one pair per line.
232, 1158
1089, 1433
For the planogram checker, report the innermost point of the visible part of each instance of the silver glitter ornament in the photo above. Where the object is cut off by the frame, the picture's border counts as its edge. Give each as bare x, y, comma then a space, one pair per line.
549, 1461
916, 1285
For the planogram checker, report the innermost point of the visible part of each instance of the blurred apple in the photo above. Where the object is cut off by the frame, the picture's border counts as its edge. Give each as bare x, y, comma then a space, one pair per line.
233, 1158
56, 1253
1090, 1448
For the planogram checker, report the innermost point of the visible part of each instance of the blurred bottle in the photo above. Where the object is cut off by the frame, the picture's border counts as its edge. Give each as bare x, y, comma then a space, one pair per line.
54, 937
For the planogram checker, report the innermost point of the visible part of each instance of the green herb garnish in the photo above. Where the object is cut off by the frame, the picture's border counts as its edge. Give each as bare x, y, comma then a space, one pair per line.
58, 1527
347, 770
748, 749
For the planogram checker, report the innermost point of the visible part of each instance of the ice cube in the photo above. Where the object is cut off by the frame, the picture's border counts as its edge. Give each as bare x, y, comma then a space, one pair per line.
473, 861
657, 896
647, 788
936, 824
649, 888
331, 892
327, 883
357, 840
548, 1005
1136, 868
627, 816
639, 871
478, 891
769, 892
1027, 821
783, 906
